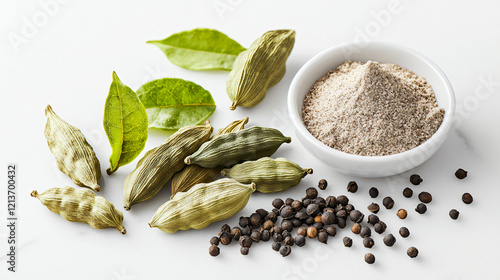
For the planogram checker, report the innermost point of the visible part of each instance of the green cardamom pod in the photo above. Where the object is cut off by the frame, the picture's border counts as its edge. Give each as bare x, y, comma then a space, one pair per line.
247, 144
74, 155
194, 174
270, 175
202, 205
259, 67
82, 206
161, 163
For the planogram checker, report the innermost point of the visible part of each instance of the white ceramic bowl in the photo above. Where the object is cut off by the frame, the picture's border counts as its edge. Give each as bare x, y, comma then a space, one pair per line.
375, 166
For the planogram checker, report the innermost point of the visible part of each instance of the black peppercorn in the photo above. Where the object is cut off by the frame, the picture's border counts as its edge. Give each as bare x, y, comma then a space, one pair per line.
296, 222
225, 238
373, 207
341, 214
277, 229
287, 225
285, 250
320, 201
342, 200
352, 186
268, 225
402, 213
289, 241
467, 198
461, 174
306, 202
421, 208
302, 231
296, 205
329, 209
311, 193
373, 219
331, 230
276, 246
214, 251
309, 221
214, 241
347, 241
285, 234
369, 258
312, 232
277, 203
341, 223
245, 241
236, 233
244, 221
404, 232
379, 228
328, 218
255, 236
454, 214
368, 242
388, 202
289, 201
407, 192
262, 212
287, 212
389, 240
356, 228
246, 231
301, 215
277, 237
225, 228
244, 250
365, 232
265, 235
318, 226
300, 240
312, 210
425, 197
322, 184
276, 211
255, 220
412, 252
271, 216
416, 179
373, 192
331, 201
323, 237
356, 216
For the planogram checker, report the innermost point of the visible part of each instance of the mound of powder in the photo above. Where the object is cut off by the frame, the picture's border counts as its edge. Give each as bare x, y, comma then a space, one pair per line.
371, 109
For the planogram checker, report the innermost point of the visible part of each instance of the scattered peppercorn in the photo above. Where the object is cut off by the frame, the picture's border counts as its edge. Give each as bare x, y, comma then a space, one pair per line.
342, 200
244, 250
341, 223
289, 241
285, 234
349, 208
317, 219
296, 222
373, 192
302, 231
244, 222
246, 231
300, 240
356, 216
402, 213
323, 237
461, 174
276, 246
373, 207
322, 184
347, 241
309, 221
277, 203
412, 252
265, 235
365, 232
388, 202
255, 220
255, 236
416, 179
245, 241
328, 218
311, 193
268, 224
296, 205
389, 240
214, 241
285, 250
276, 229
225, 238
271, 216
277, 237
312, 210
425, 197
368, 242
262, 213
287, 212
407, 192
356, 228
312, 232
286, 225
378, 228
404, 232
331, 230
214, 251
454, 214
352, 186
421, 208
369, 258
373, 219
331, 201
289, 201
467, 198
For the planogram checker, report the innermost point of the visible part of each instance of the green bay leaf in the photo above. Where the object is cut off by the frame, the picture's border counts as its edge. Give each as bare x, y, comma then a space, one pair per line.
125, 123
200, 49
173, 103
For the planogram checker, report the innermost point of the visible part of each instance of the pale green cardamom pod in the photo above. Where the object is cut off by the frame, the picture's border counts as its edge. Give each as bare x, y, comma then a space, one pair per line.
270, 175
259, 67
74, 155
82, 206
247, 144
161, 163
195, 174
202, 205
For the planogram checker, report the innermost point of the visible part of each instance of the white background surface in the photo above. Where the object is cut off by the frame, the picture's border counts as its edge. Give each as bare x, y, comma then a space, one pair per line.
67, 58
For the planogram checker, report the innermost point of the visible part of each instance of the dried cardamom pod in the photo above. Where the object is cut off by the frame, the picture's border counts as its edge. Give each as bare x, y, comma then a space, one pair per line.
259, 67
202, 205
161, 163
82, 206
195, 174
74, 155
247, 144
270, 175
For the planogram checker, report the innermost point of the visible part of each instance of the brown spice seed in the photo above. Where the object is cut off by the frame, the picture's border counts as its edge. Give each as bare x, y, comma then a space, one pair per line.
322, 184
373, 207
467, 198
407, 192
356, 228
402, 213
425, 197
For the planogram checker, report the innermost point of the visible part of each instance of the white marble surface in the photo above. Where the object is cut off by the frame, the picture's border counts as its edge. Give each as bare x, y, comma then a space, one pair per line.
66, 59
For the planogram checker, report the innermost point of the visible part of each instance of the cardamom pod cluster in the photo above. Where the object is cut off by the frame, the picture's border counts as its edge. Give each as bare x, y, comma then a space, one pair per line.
82, 206
202, 205
74, 155
270, 175
158, 165
259, 67
195, 174
247, 144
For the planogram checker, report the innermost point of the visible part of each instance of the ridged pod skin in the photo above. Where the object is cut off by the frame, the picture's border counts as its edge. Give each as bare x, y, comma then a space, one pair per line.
270, 175
195, 174
247, 144
161, 163
202, 205
74, 155
259, 67
82, 206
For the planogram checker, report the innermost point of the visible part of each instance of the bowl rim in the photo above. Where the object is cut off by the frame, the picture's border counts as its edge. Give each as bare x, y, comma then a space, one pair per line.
436, 139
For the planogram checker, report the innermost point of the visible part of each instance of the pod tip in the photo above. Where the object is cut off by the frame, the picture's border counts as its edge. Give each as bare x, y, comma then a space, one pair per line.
187, 160
254, 186
109, 171
233, 106
288, 139
127, 207
123, 230
223, 172
96, 188
309, 170
34, 194
48, 109
149, 224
